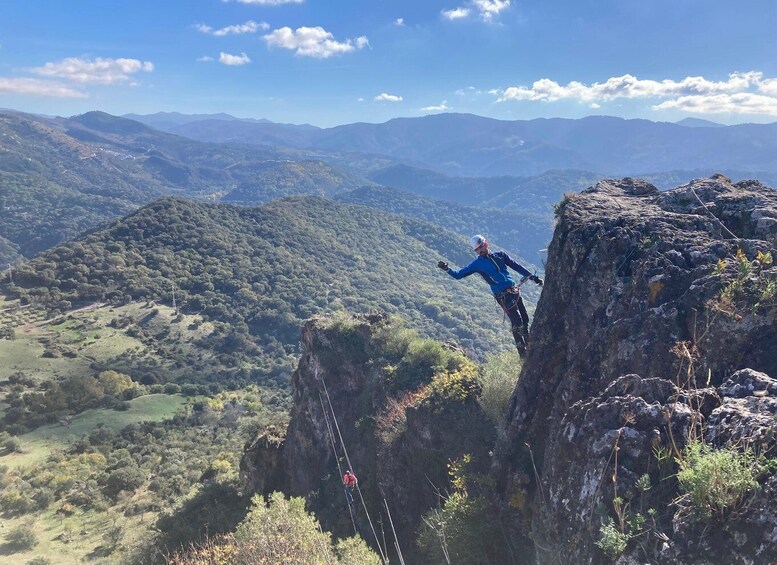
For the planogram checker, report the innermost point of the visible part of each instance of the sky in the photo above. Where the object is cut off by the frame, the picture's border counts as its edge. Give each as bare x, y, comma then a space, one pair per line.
340, 61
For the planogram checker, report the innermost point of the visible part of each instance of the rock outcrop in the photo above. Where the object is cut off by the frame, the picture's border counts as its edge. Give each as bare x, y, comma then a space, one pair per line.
399, 446
656, 324
656, 331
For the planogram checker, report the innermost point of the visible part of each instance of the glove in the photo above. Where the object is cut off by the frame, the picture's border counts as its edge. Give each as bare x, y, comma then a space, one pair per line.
443, 265
536, 279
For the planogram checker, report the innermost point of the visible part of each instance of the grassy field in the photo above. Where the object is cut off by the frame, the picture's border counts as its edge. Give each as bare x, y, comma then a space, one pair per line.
136, 339
87, 340
81, 536
38, 444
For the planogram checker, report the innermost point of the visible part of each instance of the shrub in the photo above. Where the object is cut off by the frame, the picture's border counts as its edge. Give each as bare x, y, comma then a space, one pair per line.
716, 480
453, 387
464, 530
613, 542
21, 538
280, 531
12, 445
498, 378
39, 561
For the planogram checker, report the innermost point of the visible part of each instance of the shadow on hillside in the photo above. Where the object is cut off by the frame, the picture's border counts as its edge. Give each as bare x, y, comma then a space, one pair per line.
100, 552
218, 508
10, 549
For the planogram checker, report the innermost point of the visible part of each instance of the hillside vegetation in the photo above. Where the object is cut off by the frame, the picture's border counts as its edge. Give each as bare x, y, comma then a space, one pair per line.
59, 177
259, 272
523, 234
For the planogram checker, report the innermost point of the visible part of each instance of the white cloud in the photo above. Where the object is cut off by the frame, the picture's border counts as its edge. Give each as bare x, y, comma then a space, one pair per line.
741, 103
249, 27
442, 107
455, 13
468, 91
204, 59
313, 42
385, 97
489, 9
399, 22
98, 71
742, 93
37, 87
768, 87
628, 86
233, 60
360, 99
594, 106
266, 2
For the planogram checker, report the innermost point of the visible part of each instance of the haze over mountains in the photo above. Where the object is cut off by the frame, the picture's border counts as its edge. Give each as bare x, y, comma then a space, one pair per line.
61, 176
470, 145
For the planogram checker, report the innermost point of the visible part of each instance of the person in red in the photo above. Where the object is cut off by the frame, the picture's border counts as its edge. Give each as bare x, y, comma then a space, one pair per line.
349, 482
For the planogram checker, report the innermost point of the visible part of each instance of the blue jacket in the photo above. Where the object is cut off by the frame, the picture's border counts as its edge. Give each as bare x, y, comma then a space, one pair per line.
493, 268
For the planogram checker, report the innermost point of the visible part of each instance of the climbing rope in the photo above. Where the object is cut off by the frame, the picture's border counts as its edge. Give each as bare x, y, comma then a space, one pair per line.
337, 460
703, 205
396, 539
350, 466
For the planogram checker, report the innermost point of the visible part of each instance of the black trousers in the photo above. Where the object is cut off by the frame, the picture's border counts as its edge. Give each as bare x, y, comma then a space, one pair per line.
513, 306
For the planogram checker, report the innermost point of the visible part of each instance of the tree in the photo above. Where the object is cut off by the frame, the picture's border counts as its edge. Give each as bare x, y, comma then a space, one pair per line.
115, 383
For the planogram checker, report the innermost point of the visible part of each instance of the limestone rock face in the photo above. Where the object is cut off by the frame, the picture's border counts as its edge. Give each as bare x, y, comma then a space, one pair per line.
655, 322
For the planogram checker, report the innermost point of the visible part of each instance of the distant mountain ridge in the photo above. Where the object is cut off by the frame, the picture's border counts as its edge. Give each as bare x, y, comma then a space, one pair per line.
469, 145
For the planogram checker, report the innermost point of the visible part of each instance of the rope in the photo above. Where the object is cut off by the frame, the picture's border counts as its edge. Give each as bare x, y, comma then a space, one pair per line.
337, 460
396, 539
348, 459
703, 205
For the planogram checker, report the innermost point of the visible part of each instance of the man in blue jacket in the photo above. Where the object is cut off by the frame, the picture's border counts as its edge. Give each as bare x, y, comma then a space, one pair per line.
493, 268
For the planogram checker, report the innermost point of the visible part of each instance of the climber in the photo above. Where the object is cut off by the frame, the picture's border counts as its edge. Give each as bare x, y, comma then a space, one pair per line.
349, 482
493, 268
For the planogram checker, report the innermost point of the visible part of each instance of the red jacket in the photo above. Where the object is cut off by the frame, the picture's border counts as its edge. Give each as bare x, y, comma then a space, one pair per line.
349, 479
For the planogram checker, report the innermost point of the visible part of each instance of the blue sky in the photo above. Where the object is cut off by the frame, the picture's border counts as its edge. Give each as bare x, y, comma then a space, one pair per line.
338, 61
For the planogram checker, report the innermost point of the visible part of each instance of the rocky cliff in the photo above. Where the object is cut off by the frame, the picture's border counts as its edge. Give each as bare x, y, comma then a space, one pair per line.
654, 342
656, 324
400, 427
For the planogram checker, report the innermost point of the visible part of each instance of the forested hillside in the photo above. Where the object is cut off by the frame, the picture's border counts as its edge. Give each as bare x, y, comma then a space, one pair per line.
276, 179
265, 270
524, 234
59, 177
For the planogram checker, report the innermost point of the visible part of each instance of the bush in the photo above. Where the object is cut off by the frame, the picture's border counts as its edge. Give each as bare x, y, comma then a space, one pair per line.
39, 561
12, 445
716, 480
464, 530
280, 531
21, 538
124, 478
613, 542
498, 378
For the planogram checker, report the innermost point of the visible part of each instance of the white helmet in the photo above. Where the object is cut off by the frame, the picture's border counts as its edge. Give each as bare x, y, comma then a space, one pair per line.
477, 241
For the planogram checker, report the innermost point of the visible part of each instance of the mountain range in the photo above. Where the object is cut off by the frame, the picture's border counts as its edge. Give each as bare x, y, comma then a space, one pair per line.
469, 145
61, 176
